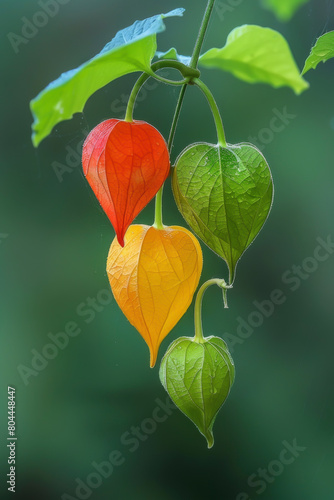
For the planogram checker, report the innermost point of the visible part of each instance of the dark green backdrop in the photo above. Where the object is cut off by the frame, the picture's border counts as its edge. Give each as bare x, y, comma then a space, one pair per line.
73, 411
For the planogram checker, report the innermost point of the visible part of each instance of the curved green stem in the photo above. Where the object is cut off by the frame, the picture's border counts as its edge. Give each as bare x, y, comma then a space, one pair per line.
133, 96
215, 111
168, 81
198, 305
187, 73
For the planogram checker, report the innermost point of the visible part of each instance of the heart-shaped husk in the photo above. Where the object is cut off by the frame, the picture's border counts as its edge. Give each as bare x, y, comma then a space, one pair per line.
225, 195
198, 378
153, 279
125, 163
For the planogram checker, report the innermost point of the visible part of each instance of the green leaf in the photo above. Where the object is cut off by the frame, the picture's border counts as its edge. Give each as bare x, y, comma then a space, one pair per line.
225, 195
322, 51
173, 54
198, 378
255, 54
284, 9
132, 49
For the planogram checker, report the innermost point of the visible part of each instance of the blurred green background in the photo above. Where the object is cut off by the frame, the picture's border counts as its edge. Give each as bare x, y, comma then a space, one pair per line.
73, 411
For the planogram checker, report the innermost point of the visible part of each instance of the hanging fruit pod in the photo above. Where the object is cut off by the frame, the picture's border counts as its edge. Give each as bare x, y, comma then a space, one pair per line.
198, 377
225, 195
153, 279
125, 163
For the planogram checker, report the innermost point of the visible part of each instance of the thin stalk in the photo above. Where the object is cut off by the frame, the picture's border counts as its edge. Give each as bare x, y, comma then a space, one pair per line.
225, 297
158, 224
199, 338
201, 34
215, 111
158, 199
193, 65
176, 118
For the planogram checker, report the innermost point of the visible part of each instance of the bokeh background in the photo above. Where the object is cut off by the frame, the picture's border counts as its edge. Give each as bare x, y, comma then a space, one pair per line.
73, 411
